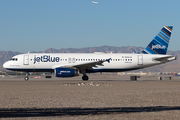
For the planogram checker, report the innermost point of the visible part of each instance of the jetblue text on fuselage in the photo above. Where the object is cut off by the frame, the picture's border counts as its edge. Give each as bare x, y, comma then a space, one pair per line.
45, 58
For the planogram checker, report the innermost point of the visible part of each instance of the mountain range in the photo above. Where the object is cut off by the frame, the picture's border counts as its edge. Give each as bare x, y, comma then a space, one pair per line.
173, 66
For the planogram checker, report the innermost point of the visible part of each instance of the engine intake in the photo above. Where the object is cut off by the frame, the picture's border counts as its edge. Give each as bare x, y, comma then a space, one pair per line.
66, 72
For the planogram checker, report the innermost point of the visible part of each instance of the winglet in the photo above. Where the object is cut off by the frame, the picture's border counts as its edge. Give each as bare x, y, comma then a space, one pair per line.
159, 44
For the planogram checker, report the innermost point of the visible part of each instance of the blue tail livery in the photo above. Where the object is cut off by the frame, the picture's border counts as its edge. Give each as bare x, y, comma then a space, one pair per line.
159, 44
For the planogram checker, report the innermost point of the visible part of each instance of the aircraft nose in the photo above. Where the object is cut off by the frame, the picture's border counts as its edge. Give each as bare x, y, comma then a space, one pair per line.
5, 65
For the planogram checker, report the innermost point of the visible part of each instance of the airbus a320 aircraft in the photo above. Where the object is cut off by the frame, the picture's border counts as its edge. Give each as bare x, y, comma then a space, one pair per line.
72, 64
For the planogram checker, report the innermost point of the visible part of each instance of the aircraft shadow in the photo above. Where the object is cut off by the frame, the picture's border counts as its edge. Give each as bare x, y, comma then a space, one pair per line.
43, 112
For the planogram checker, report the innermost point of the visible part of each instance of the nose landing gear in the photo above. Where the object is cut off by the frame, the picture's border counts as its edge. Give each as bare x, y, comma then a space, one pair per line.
26, 78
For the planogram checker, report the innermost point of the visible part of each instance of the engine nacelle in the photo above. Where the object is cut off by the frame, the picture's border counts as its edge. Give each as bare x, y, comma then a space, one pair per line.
66, 72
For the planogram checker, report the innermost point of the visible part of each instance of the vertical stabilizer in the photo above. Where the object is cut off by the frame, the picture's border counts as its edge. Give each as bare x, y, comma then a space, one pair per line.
159, 44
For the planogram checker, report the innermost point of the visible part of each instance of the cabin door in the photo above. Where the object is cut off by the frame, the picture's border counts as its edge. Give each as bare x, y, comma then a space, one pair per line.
26, 60
140, 60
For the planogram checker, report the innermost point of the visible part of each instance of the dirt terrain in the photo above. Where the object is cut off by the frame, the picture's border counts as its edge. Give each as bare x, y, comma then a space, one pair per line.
102, 97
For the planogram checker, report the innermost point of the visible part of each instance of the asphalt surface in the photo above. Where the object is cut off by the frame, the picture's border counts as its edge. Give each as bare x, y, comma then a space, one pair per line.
102, 97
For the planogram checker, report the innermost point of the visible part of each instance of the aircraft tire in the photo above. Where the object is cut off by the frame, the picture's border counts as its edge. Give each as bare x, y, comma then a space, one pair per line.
26, 78
85, 78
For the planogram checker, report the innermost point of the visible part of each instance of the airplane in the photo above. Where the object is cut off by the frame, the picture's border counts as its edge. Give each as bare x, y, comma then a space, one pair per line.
94, 2
175, 74
74, 64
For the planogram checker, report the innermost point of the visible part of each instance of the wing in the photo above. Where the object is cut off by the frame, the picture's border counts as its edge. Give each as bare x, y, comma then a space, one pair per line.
86, 65
89, 65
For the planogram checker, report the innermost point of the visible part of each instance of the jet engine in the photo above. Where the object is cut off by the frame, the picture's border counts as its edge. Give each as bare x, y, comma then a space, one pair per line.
66, 72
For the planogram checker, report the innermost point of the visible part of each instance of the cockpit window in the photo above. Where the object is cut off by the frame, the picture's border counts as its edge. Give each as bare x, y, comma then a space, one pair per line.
13, 59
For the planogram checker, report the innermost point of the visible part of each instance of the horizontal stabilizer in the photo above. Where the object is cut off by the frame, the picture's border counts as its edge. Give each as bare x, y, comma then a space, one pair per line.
165, 59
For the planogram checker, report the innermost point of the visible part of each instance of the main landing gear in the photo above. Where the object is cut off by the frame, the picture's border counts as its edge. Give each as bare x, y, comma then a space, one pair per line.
26, 78
85, 77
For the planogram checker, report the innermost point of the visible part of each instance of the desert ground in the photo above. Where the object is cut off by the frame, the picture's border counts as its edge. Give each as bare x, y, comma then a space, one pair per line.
102, 97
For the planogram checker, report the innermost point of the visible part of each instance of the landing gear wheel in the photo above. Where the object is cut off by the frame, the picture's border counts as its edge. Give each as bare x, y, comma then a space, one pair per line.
26, 78
85, 78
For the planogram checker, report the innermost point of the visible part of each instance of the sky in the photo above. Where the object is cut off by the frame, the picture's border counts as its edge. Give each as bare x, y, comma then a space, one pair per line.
36, 25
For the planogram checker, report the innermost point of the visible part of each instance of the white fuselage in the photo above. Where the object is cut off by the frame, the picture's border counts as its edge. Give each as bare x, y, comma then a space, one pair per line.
47, 62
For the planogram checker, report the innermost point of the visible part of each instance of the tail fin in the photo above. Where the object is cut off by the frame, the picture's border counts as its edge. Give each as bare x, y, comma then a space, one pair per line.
172, 73
159, 44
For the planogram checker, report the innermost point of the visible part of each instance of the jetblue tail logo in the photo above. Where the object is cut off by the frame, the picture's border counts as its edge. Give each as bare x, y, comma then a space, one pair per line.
159, 44
158, 47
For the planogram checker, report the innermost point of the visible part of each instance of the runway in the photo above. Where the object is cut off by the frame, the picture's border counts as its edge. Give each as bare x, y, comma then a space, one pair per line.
102, 97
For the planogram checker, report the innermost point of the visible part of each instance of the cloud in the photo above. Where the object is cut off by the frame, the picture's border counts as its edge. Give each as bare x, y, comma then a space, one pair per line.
94, 2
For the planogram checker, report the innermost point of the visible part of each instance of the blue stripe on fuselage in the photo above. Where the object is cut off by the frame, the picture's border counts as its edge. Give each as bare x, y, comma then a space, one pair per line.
31, 70
87, 70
